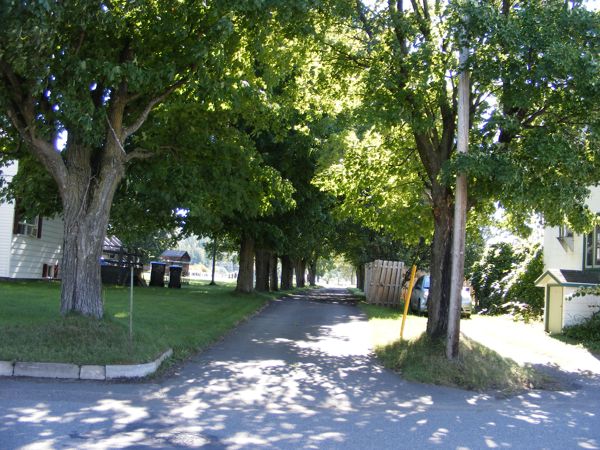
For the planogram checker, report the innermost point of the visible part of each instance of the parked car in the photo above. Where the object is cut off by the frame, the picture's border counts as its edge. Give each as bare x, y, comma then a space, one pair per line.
420, 294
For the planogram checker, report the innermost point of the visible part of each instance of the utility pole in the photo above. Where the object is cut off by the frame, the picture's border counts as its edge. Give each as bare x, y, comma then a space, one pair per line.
460, 210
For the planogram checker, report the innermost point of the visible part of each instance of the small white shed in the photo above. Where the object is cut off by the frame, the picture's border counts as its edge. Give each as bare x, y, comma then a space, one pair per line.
561, 309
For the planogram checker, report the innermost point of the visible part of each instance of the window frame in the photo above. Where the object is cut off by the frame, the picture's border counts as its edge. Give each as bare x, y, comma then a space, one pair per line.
592, 251
26, 226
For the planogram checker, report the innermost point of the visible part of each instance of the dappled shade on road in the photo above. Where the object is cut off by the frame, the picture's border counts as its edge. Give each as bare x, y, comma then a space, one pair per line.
299, 375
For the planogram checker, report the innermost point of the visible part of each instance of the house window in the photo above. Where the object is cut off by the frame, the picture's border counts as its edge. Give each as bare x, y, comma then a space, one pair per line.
564, 232
592, 248
566, 238
28, 227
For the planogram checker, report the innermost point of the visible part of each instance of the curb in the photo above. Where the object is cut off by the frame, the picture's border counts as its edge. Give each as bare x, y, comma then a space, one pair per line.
83, 372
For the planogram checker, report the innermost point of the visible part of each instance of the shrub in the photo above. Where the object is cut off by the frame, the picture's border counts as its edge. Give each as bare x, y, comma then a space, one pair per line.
585, 331
489, 275
504, 281
523, 299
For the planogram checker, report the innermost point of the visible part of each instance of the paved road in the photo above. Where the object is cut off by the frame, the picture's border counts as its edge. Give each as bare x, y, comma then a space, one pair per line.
299, 375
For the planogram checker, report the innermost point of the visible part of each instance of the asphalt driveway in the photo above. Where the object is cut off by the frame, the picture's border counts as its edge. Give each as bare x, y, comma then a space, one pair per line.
298, 375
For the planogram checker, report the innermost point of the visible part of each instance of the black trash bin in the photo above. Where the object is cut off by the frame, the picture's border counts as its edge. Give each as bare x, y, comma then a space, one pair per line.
175, 276
157, 274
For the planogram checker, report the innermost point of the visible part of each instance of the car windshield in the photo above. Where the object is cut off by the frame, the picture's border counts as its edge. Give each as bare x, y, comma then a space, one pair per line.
425, 282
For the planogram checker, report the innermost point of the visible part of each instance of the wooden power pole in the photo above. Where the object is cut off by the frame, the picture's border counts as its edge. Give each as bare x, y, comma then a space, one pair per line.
460, 211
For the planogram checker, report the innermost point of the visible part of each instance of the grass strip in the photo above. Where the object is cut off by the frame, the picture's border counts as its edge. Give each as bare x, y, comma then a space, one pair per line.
187, 320
419, 358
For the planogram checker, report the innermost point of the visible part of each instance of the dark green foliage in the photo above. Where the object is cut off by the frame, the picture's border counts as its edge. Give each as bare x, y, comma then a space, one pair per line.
32, 187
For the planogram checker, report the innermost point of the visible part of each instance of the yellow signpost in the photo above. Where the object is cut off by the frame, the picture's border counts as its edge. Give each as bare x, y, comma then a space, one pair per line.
411, 283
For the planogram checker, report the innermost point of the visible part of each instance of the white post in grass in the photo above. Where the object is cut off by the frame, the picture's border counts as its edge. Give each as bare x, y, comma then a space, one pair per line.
131, 304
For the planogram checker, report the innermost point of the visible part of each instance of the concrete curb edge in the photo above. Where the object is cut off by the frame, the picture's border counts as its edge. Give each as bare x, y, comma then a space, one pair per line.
82, 372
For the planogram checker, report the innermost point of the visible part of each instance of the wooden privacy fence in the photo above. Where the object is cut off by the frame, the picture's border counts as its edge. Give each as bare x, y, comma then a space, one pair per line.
383, 282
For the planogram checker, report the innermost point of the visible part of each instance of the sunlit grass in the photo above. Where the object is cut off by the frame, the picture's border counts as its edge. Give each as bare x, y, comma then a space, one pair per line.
186, 320
418, 358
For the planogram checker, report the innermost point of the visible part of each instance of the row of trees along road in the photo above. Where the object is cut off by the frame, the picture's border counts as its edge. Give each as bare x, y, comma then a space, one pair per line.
223, 118
534, 116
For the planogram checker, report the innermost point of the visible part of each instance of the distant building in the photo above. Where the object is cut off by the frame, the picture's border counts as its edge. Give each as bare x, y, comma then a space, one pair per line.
177, 258
116, 263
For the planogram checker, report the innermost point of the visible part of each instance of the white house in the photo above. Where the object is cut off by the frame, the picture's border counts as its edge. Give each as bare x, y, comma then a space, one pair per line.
29, 248
571, 261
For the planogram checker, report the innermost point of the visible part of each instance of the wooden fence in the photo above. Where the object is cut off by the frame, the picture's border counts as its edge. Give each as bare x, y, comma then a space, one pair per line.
383, 282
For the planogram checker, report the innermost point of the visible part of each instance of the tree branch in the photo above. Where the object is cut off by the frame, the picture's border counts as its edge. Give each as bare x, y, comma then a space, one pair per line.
360, 8
128, 131
534, 116
139, 153
20, 110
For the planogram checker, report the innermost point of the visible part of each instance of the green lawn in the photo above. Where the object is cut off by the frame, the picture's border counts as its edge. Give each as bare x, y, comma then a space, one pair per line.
186, 320
418, 358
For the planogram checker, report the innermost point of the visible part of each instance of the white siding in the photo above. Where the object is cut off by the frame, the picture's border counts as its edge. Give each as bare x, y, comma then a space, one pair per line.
577, 309
559, 255
7, 214
593, 200
6, 228
29, 254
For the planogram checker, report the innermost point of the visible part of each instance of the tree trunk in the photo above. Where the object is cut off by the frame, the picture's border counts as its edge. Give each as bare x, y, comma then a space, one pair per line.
273, 273
300, 273
81, 288
441, 256
287, 273
262, 261
87, 200
312, 273
360, 277
246, 272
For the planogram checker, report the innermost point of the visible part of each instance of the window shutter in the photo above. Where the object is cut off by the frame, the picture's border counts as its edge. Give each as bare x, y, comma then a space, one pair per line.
39, 227
17, 218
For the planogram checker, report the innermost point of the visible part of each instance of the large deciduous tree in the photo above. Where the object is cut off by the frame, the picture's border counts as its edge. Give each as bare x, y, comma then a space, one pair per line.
533, 113
90, 73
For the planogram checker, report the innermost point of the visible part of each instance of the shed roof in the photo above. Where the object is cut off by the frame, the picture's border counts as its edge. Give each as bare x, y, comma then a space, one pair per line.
565, 277
111, 243
176, 254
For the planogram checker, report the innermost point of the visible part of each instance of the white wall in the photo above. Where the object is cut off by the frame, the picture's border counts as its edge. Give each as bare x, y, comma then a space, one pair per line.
593, 201
6, 228
559, 255
577, 309
29, 254
7, 214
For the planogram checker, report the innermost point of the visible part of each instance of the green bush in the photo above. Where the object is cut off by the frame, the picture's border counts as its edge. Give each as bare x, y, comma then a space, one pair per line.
523, 299
503, 281
489, 275
585, 331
